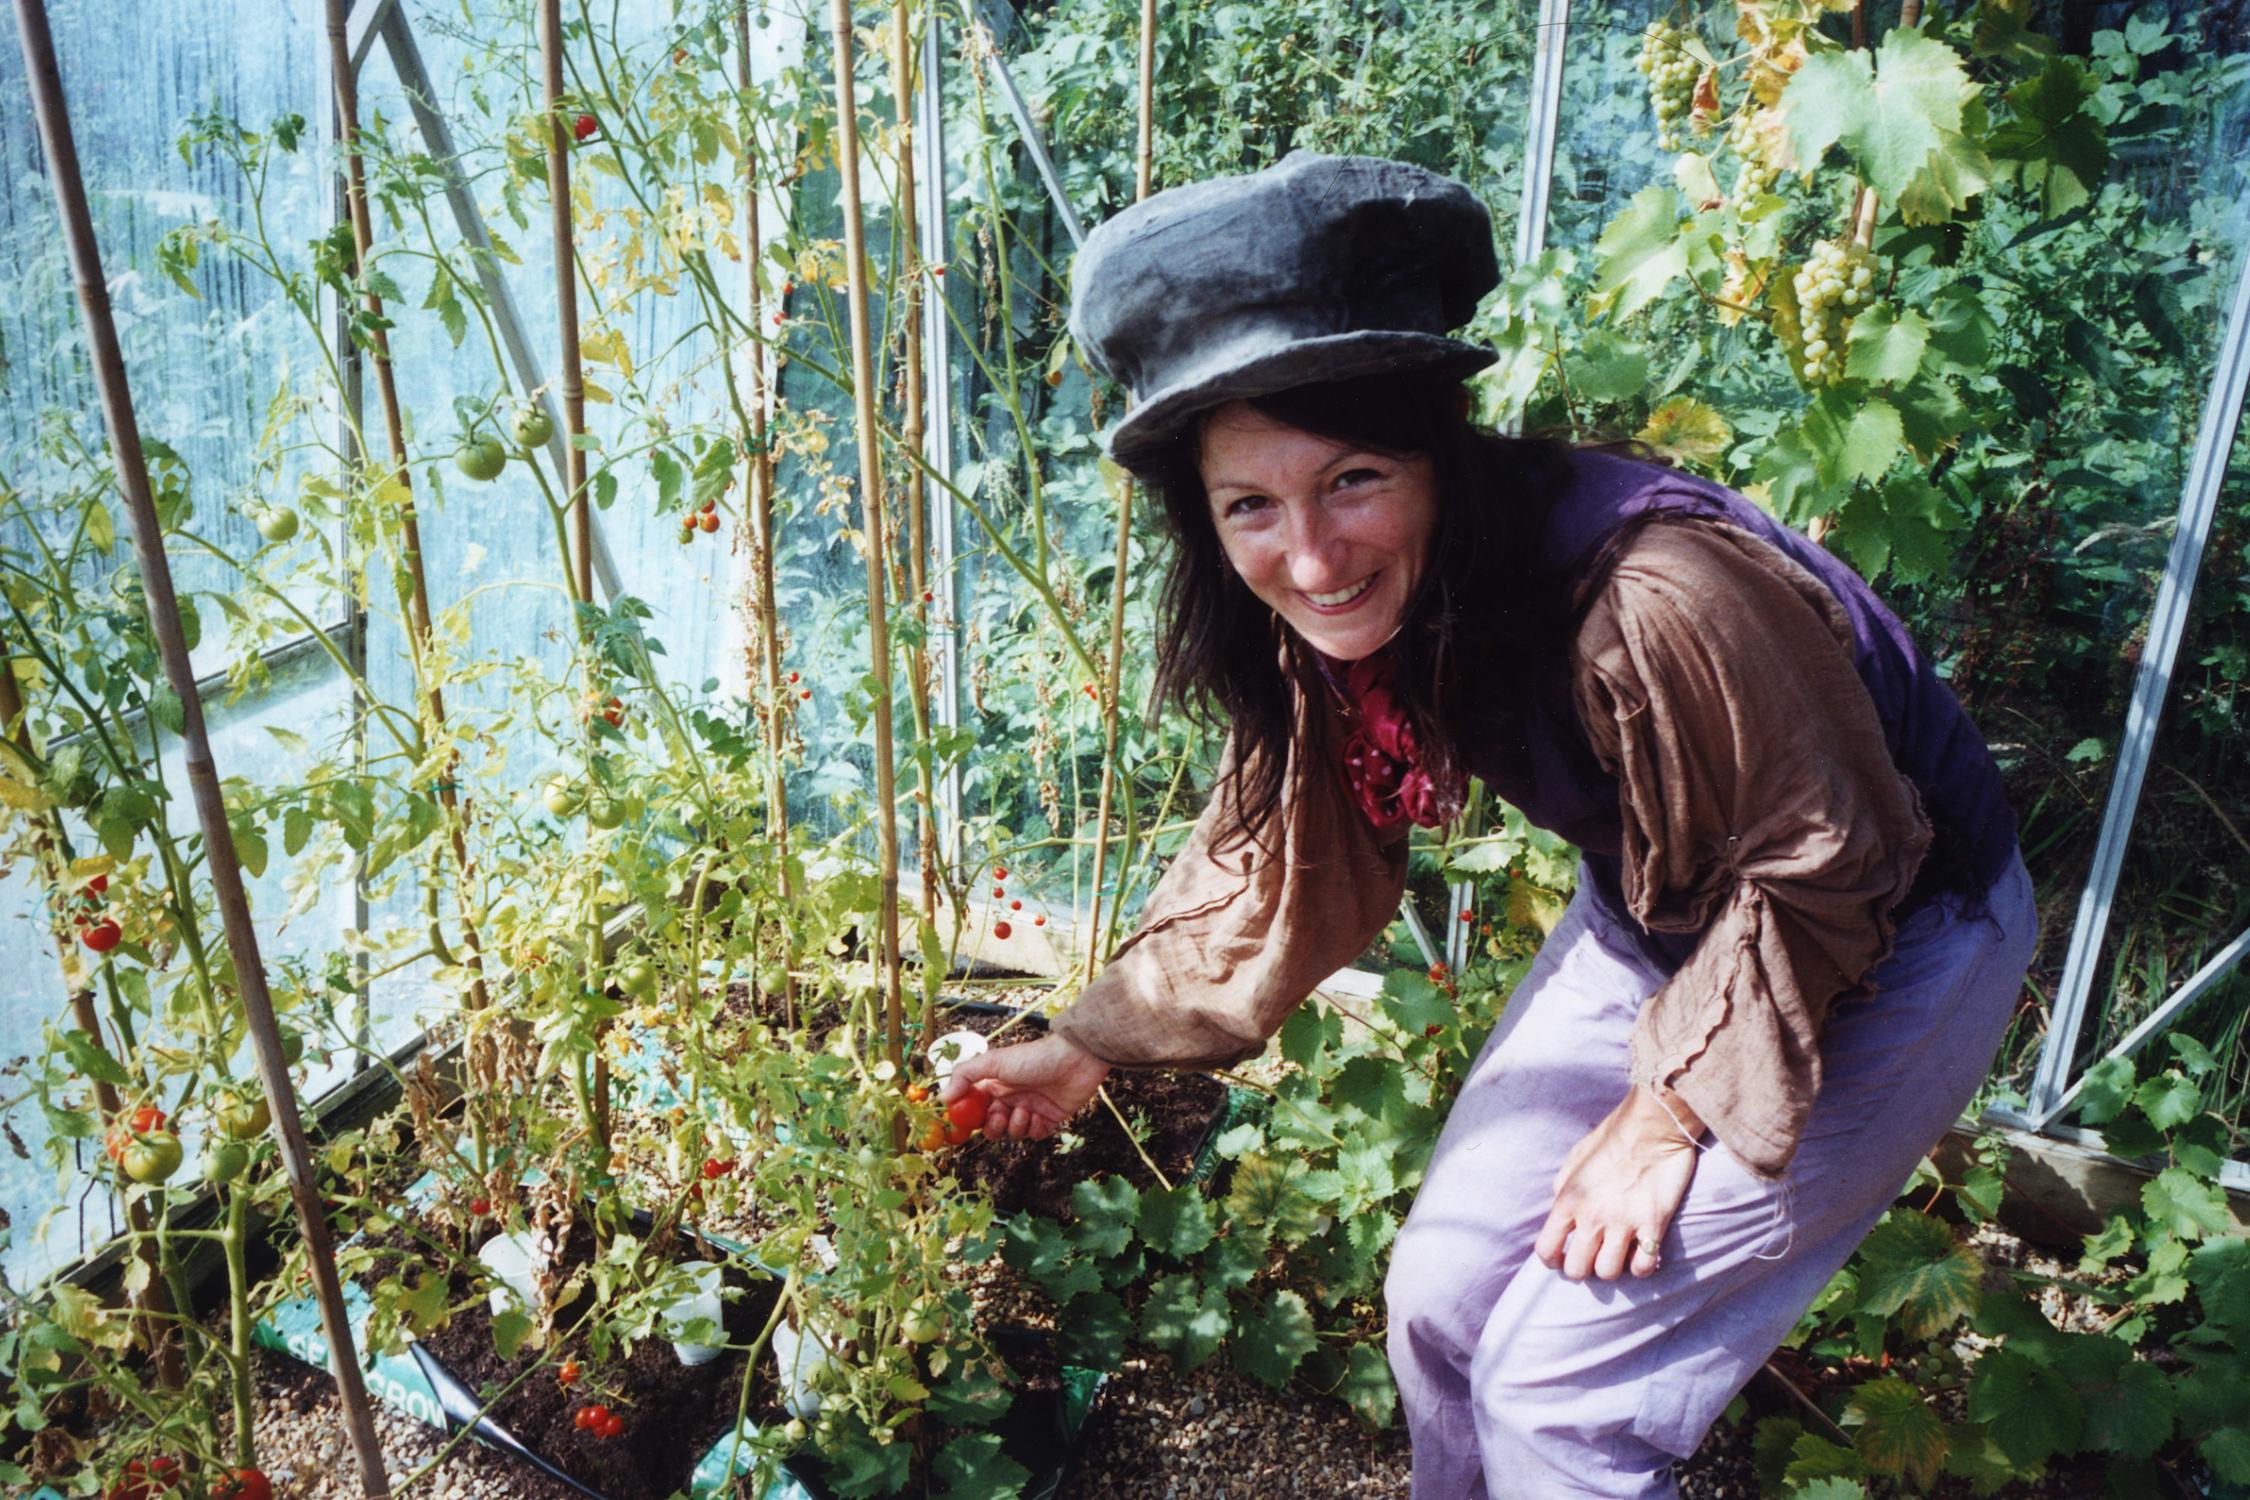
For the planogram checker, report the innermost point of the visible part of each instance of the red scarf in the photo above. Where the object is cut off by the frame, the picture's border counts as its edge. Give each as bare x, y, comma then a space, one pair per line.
1382, 756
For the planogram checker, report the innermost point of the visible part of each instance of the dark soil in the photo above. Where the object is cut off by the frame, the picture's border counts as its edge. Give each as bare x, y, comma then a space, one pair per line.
672, 1412
1172, 1113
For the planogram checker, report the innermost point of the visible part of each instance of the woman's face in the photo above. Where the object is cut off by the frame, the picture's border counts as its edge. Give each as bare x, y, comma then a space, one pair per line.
1332, 538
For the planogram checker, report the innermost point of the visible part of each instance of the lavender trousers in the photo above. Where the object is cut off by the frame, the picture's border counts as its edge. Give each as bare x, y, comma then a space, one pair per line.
1518, 1382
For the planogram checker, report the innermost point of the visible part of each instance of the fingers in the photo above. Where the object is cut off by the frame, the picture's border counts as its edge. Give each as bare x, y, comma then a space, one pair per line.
1553, 1235
966, 1072
1648, 1252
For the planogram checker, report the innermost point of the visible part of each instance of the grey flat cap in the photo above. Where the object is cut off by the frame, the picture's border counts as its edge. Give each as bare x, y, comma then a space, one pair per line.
1318, 268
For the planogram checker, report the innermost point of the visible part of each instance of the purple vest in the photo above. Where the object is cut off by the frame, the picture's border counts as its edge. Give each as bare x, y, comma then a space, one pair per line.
1540, 760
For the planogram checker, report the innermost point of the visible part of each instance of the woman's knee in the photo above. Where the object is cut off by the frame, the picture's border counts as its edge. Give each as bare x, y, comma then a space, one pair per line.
1437, 1296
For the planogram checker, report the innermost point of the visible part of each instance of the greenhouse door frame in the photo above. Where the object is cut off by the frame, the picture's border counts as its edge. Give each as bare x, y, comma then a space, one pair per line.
2054, 1087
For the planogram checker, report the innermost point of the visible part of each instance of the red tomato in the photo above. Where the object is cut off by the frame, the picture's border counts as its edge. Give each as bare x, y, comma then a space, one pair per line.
585, 127
243, 1484
964, 1115
102, 936
805, 693
713, 1169
1467, 915
146, 1479
792, 679
1039, 921
97, 885
148, 1117
1001, 930
999, 892
615, 712
481, 1207
708, 520
999, 873
917, 1092
610, 1427
1015, 906
568, 1372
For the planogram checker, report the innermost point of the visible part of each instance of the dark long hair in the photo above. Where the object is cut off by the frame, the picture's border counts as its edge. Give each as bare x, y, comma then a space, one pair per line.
1478, 616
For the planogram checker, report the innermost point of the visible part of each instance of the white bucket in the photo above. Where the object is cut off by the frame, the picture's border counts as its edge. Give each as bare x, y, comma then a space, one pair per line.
516, 1260
699, 1304
797, 1358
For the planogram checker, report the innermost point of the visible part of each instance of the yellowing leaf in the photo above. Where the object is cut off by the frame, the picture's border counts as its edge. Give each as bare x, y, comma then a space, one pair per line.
1685, 428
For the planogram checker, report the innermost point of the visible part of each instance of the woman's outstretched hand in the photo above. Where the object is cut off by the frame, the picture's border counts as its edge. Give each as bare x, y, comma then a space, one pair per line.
1034, 1087
1618, 1190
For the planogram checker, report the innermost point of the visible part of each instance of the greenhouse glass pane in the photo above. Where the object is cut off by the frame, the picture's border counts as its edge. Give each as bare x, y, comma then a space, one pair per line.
205, 365
296, 731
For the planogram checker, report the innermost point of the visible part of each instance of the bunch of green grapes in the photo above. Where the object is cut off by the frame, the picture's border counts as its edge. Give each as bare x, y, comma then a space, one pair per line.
1754, 176
1833, 287
1671, 72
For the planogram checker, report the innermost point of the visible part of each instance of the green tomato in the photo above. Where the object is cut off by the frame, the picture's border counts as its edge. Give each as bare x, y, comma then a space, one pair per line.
152, 1157
637, 978
277, 523
796, 1431
224, 1162
924, 1320
241, 1116
606, 811
562, 796
482, 459
292, 1047
531, 428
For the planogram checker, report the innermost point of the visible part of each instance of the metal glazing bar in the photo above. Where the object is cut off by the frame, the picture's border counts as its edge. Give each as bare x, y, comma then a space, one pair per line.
2199, 496
937, 426
1542, 125
213, 685
2233, 1175
1418, 929
2158, 1019
1033, 142
1543, 116
366, 21
414, 78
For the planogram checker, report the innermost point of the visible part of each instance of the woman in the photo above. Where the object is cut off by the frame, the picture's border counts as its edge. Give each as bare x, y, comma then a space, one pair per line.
1801, 921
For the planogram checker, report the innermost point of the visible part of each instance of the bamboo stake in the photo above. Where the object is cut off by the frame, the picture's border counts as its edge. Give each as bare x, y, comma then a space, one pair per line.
917, 501
483, 1056
758, 483
1113, 675
574, 457
153, 1303
878, 545
203, 780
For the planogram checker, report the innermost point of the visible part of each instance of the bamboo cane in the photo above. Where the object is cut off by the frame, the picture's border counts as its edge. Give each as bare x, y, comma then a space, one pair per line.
152, 1303
1143, 160
574, 425
110, 380
758, 483
878, 547
483, 1057
917, 501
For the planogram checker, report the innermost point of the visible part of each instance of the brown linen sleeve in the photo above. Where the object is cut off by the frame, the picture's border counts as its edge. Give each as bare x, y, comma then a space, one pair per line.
1235, 937
1714, 678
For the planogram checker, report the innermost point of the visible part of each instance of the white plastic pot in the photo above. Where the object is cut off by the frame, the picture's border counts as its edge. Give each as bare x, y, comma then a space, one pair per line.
954, 1047
516, 1259
697, 1305
797, 1358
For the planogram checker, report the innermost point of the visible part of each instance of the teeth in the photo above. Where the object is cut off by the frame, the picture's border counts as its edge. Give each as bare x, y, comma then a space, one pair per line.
1343, 596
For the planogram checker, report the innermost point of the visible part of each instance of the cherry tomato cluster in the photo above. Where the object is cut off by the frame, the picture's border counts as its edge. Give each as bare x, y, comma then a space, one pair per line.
598, 1420
146, 1479
96, 928
584, 128
960, 1121
1004, 929
706, 519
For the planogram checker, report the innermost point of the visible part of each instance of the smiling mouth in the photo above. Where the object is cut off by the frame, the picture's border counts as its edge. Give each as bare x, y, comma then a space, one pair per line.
1342, 597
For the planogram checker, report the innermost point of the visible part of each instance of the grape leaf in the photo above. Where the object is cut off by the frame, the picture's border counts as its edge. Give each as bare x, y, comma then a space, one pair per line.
1640, 253
2054, 144
2131, 1414
1913, 1265
1898, 1433
1273, 1337
1885, 344
1185, 1319
1367, 1388
1106, 1209
1093, 1331
2032, 1412
1176, 1221
2105, 1090
973, 1468
2227, 1451
1896, 116
1266, 1194
2169, 1100
2184, 1203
